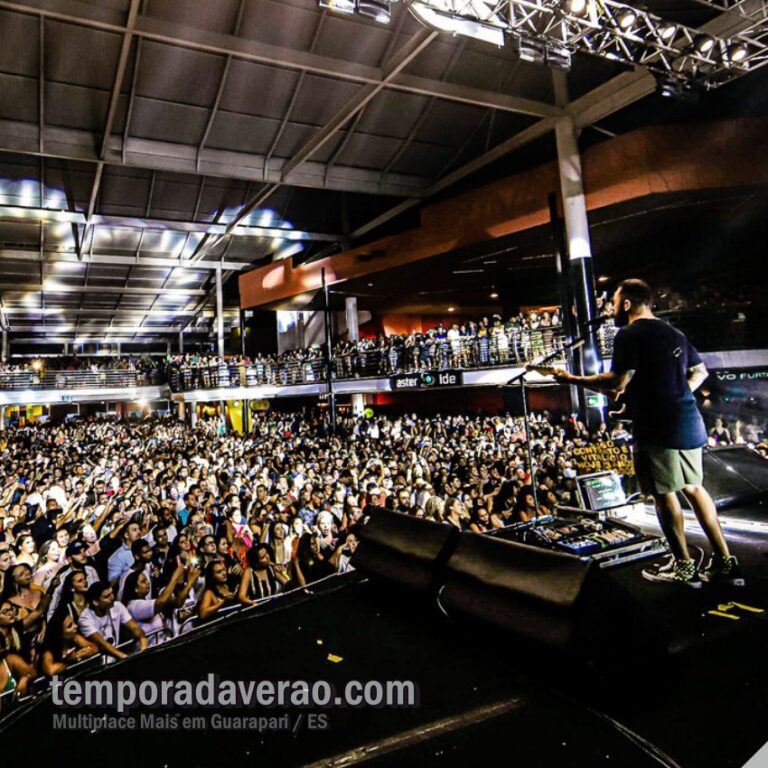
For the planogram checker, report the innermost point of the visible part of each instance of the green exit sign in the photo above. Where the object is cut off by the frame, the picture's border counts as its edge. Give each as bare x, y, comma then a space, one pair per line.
597, 401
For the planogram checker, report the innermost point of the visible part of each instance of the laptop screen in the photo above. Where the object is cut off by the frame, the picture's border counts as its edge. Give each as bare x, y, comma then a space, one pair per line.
601, 491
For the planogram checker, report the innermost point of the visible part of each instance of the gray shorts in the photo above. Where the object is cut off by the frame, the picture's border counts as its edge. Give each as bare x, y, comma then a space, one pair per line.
667, 470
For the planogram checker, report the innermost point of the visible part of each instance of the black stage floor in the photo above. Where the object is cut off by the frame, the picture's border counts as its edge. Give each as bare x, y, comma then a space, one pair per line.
483, 695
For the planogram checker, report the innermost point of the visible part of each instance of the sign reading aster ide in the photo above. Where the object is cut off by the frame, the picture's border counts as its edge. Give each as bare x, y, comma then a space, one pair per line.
426, 380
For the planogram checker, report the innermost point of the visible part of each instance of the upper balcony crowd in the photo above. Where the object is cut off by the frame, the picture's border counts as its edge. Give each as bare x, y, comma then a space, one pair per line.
713, 320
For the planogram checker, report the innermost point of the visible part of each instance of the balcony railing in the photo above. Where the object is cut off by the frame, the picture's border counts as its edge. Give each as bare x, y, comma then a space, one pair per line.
86, 379
361, 362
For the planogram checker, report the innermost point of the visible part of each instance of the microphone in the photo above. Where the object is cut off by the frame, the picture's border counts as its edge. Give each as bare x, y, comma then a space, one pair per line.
597, 322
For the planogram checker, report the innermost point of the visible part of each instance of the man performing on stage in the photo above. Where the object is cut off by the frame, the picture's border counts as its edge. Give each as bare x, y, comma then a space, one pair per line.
656, 370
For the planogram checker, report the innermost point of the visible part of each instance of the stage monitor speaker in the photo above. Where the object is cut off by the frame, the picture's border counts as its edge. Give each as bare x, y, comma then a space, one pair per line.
525, 590
734, 476
404, 550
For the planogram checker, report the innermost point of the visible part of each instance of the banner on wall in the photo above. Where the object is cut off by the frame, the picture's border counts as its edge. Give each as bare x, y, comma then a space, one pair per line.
606, 456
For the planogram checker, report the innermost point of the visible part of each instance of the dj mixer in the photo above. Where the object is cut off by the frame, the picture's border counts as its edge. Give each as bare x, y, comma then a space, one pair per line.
607, 541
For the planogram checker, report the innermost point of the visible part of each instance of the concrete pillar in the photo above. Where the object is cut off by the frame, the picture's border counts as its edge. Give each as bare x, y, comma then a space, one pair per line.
181, 342
577, 238
242, 333
353, 334
181, 410
219, 314
2, 418
586, 360
350, 308
5, 345
193, 415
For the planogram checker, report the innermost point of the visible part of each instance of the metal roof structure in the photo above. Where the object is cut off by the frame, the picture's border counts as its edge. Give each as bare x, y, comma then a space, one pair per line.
146, 144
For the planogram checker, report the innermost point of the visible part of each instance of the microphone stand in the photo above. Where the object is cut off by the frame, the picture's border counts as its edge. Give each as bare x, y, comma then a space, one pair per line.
572, 343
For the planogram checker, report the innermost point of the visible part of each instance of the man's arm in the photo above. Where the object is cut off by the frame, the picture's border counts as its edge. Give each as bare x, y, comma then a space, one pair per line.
105, 646
138, 633
697, 375
608, 381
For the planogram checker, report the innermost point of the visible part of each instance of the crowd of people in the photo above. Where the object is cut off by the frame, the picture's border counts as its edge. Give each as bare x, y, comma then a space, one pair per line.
738, 432
116, 532
460, 345
68, 372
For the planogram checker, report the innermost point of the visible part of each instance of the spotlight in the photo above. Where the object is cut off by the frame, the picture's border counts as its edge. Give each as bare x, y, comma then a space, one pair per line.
737, 52
340, 6
703, 44
494, 295
456, 25
451, 309
626, 18
667, 31
378, 10
576, 7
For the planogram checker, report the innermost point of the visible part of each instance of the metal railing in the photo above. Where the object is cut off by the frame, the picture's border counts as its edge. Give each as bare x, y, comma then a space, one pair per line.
84, 379
187, 629
364, 360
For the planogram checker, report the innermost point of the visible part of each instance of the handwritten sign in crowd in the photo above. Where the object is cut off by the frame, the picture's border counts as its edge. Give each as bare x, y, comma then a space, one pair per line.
610, 455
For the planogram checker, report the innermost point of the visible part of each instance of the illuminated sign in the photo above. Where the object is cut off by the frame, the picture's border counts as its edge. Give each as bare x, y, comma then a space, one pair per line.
427, 380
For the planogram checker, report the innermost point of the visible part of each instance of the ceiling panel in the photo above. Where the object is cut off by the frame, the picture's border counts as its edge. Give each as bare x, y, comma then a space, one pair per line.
19, 44
256, 89
196, 13
19, 98
164, 121
69, 106
169, 73
81, 55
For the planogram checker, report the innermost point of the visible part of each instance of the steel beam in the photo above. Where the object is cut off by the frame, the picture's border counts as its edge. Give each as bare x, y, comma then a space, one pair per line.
173, 33
73, 144
96, 312
114, 99
53, 286
58, 257
404, 56
537, 130
16, 213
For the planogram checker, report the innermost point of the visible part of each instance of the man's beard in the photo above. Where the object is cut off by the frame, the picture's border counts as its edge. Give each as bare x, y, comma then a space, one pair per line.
621, 318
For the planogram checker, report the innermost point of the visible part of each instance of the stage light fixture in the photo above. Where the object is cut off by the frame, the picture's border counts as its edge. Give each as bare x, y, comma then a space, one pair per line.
378, 10
494, 295
667, 31
737, 52
340, 6
626, 18
703, 44
446, 21
576, 7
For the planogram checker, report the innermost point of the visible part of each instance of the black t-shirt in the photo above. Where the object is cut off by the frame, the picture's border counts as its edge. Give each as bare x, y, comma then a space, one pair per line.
659, 400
